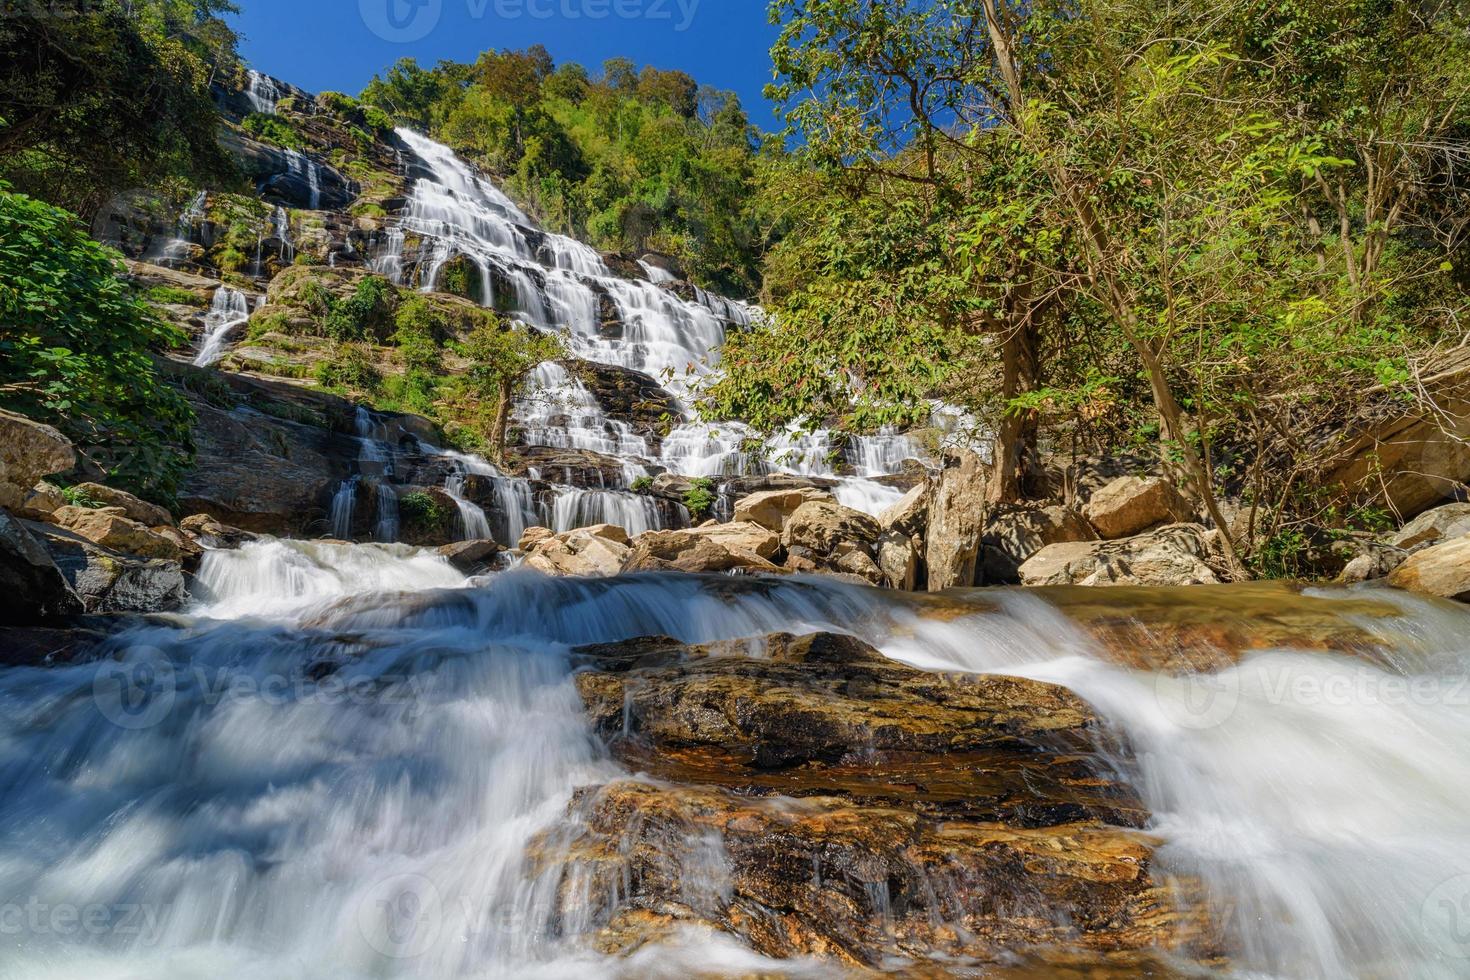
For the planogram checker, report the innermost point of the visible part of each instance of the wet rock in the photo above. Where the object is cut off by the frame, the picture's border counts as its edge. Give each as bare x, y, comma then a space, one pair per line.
739, 548
1433, 526
34, 588
819, 799
29, 452
1180, 554
212, 534
1130, 505
956, 521
110, 528
149, 515
910, 515
596, 551
630, 396
1015, 533
39, 646
472, 557
773, 508
1441, 570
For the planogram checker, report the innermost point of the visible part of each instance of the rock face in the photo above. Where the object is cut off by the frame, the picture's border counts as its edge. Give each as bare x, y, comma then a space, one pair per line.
956, 521
933, 816
149, 515
29, 452
34, 588
1442, 570
111, 528
743, 548
911, 514
1130, 505
1015, 533
1179, 554
472, 557
108, 581
773, 508
1432, 527
593, 551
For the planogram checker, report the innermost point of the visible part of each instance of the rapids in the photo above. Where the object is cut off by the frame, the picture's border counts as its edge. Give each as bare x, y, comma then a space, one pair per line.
332, 767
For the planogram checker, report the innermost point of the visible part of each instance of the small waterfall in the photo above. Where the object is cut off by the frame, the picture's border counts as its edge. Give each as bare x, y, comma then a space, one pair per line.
263, 92
634, 512
281, 224
344, 507
656, 274
559, 412
228, 311
474, 525
310, 171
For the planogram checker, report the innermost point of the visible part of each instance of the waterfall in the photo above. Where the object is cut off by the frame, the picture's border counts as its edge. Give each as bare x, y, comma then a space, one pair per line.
310, 171
228, 311
262, 92
558, 411
281, 223
344, 506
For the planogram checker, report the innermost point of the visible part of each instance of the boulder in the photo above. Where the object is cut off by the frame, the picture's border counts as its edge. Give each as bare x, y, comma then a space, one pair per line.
472, 557
825, 527
1432, 527
956, 521
1374, 561
898, 560
108, 581
210, 533
43, 500
1016, 533
592, 552
111, 528
1179, 554
34, 588
1441, 570
722, 548
533, 536
29, 451
1131, 504
149, 515
910, 515
773, 508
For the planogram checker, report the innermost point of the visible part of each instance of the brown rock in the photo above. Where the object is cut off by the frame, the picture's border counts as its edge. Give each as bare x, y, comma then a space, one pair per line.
825, 527
1131, 504
1442, 570
1174, 555
111, 528
956, 521
42, 501
704, 550
149, 515
911, 514
471, 556
591, 552
898, 560
1433, 526
31, 451
212, 534
33, 587
771, 509
534, 536
1016, 533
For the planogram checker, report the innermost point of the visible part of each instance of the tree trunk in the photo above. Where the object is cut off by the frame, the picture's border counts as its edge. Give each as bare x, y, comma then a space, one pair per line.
502, 422
1013, 476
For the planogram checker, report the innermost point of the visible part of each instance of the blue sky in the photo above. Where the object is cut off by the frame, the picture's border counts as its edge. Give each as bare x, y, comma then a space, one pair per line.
340, 44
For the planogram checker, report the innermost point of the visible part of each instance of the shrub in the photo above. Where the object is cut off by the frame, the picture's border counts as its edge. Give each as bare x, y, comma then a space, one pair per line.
422, 511
75, 349
642, 483
173, 296
350, 367
274, 130
700, 497
364, 314
78, 497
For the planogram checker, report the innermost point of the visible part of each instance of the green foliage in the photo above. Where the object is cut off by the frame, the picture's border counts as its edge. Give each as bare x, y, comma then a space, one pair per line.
111, 96
77, 497
641, 484
76, 346
700, 498
349, 367
275, 130
421, 511
364, 315
174, 296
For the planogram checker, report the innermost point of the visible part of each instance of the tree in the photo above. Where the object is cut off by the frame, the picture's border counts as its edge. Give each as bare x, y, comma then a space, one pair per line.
501, 357
76, 349
111, 97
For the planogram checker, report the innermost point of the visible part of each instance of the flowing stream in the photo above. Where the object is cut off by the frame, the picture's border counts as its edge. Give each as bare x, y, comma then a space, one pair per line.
332, 767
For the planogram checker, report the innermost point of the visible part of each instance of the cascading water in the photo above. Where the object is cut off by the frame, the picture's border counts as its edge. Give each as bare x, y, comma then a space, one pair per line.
313, 775
310, 171
262, 92
228, 312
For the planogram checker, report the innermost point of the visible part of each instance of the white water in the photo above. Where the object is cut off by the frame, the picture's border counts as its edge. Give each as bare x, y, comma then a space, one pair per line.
375, 824
229, 311
263, 92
